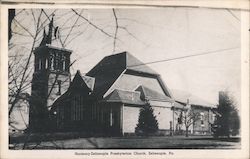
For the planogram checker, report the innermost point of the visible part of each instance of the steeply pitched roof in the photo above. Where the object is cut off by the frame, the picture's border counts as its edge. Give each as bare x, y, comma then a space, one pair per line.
149, 94
82, 82
182, 97
133, 63
104, 81
90, 81
47, 38
110, 68
126, 97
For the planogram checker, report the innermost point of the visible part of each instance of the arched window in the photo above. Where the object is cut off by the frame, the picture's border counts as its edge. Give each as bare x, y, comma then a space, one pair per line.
112, 119
63, 63
52, 62
202, 118
59, 83
39, 64
56, 61
46, 63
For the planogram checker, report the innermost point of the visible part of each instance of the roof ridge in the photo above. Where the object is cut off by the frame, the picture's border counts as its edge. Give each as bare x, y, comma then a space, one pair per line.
180, 94
118, 53
123, 90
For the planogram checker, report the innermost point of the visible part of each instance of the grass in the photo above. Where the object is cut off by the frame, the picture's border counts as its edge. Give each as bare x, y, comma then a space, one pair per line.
133, 142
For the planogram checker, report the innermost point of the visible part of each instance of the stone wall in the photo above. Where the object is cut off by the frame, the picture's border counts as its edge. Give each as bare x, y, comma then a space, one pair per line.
53, 86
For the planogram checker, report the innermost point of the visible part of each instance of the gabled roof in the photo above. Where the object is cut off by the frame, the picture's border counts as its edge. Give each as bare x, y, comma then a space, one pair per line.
149, 94
111, 67
178, 105
82, 82
126, 97
182, 97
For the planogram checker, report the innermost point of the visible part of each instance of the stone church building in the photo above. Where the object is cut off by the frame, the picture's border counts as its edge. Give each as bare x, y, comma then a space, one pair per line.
106, 100
109, 97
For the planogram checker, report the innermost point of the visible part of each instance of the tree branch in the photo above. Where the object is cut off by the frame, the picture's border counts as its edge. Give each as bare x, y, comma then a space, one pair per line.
92, 24
25, 68
116, 30
72, 27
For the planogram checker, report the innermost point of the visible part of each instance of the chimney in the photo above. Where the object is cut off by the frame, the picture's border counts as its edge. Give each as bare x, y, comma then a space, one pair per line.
221, 96
188, 104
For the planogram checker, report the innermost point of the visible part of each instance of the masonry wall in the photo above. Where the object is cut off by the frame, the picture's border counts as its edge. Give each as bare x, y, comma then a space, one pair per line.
203, 125
164, 116
53, 86
131, 117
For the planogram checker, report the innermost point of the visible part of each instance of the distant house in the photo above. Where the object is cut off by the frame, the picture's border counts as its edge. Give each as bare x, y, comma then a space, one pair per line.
19, 118
199, 106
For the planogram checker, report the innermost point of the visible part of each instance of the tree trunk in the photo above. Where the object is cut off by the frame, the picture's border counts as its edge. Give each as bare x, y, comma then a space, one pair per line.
186, 131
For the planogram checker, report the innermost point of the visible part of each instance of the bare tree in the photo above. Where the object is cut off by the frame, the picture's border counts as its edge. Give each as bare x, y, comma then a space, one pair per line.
20, 63
187, 116
26, 27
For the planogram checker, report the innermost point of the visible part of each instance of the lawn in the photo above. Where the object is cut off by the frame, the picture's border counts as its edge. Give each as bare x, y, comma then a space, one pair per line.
160, 142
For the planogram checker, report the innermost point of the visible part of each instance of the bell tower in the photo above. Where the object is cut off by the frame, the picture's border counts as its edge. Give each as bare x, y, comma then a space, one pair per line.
51, 78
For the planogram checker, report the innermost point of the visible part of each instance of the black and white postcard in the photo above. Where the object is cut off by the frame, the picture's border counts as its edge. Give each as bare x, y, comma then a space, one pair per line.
124, 81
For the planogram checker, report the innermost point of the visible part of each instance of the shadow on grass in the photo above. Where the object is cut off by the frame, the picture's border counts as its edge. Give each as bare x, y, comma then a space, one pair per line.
232, 139
37, 137
127, 142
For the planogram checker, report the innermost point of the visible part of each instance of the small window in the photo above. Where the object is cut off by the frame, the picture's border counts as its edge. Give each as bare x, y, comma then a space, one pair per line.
64, 66
213, 117
52, 63
63, 63
111, 117
202, 122
201, 115
59, 83
202, 118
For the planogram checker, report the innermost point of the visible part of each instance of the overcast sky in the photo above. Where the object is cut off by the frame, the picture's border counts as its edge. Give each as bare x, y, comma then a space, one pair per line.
163, 33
